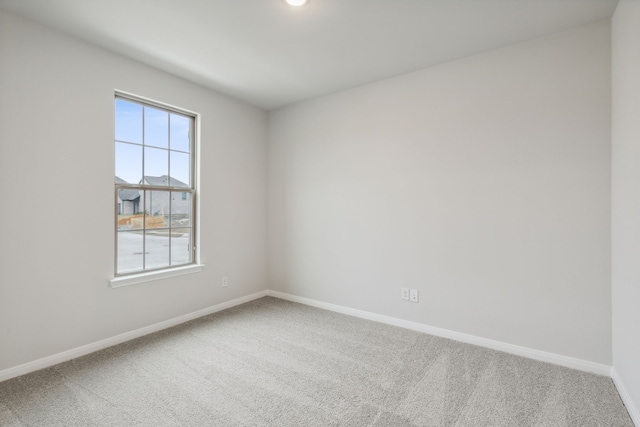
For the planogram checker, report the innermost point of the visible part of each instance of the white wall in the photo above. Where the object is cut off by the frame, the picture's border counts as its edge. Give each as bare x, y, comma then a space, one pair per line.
56, 163
484, 183
626, 201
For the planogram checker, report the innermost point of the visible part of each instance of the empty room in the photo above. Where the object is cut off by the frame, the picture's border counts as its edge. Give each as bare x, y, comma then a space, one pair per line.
320, 213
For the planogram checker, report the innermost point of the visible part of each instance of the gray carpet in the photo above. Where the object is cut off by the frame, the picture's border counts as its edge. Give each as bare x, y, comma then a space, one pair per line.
276, 363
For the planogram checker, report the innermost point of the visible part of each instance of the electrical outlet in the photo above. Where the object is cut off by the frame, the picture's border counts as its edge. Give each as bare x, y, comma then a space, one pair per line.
404, 293
413, 295
225, 281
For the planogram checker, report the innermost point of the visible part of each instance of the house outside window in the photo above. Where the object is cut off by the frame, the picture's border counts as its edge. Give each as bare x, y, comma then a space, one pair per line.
154, 186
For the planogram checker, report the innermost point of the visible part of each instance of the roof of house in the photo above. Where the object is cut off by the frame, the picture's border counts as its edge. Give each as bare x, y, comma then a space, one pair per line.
128, 194
164, 180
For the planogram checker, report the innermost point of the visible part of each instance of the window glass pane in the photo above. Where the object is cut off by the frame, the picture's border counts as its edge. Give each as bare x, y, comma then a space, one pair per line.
180, 209
128, 121
157, 248
129, 251
180, 128
157, 209
180, 246
130, 209
156, 165
180, 170
128, 163
156, 127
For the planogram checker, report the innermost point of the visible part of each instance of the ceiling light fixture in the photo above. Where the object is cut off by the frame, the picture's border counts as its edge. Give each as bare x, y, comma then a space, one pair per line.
297, 2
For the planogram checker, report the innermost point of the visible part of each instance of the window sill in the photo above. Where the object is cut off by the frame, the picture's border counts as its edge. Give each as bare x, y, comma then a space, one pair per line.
133, 279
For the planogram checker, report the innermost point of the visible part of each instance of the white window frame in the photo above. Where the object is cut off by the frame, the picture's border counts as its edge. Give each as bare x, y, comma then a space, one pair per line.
145, 275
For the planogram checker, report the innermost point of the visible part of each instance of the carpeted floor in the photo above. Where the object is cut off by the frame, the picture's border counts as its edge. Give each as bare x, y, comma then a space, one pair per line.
275, 363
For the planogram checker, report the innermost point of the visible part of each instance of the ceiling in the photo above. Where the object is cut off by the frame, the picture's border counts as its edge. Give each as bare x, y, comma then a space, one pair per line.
270, 54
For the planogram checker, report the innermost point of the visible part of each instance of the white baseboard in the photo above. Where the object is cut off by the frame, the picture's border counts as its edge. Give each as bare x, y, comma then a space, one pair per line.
48, 361
543, 356
634, 413
566, 361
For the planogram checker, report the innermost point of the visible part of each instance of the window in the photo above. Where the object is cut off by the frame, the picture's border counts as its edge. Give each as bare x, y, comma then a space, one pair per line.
154, 186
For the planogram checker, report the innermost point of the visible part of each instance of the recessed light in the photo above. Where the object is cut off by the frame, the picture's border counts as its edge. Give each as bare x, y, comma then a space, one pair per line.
297, 2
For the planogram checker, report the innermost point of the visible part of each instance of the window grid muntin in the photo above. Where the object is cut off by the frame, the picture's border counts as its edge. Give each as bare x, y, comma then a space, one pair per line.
170, 189
151, 146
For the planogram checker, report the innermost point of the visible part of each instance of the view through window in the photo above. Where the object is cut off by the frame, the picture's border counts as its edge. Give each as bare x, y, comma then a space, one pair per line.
154, 186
